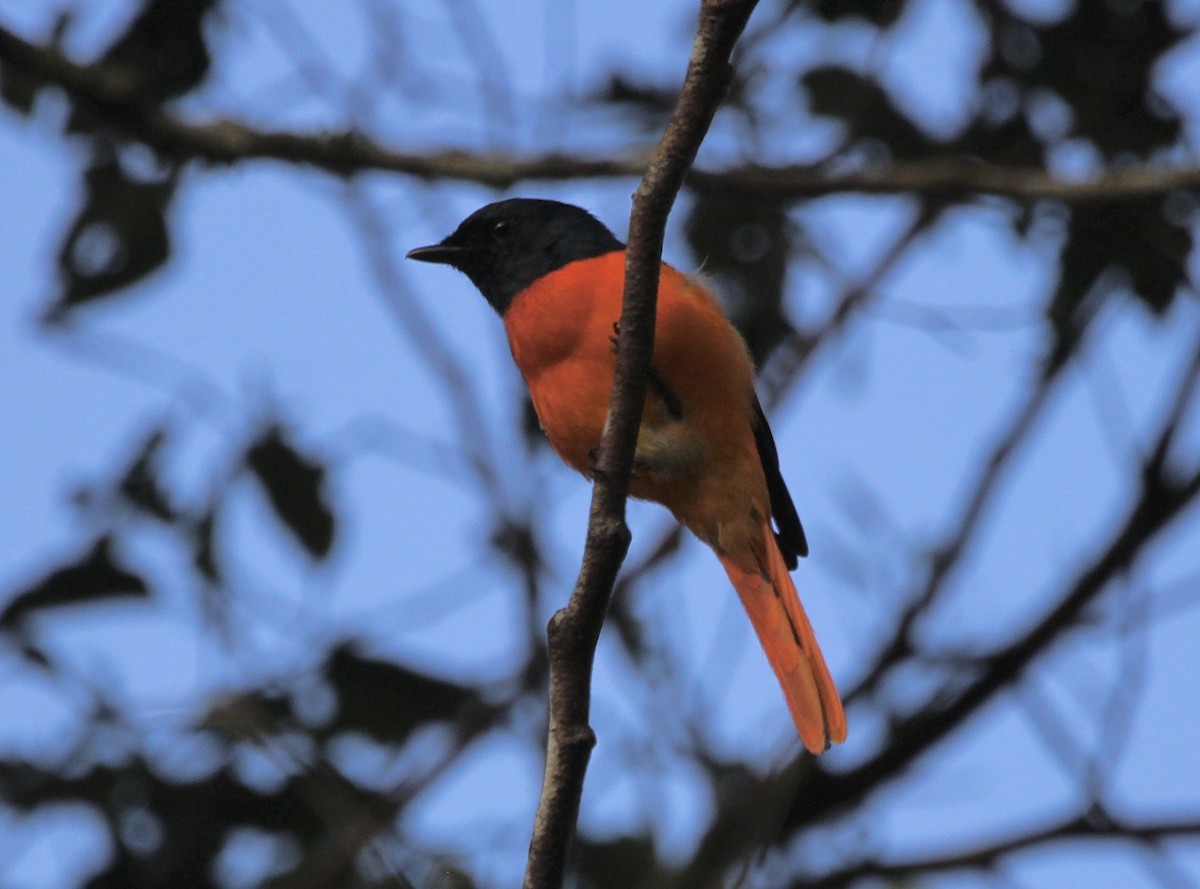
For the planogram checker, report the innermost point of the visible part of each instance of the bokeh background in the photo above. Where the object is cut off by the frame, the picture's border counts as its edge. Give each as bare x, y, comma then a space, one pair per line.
279, 536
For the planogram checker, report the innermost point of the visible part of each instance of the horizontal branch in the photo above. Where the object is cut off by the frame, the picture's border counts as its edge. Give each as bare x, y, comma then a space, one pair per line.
348, 152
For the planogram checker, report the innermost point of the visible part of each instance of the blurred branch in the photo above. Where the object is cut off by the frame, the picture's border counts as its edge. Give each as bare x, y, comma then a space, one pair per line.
1165, 493
482, 52
942, 562
575, 630
1093, 824
348, 152
793, 354
422, 335
1167, 489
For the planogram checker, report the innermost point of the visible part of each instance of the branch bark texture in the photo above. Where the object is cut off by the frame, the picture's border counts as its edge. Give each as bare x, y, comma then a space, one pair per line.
575, 630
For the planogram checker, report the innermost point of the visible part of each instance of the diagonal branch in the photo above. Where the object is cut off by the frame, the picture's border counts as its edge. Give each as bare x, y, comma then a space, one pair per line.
422, 336
349, 152
1163, 497
949, 555
575, 630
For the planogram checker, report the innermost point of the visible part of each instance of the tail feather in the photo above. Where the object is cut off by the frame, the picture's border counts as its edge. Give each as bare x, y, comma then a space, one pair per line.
771, 601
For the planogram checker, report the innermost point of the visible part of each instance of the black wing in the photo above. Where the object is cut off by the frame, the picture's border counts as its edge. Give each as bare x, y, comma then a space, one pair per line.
792, 542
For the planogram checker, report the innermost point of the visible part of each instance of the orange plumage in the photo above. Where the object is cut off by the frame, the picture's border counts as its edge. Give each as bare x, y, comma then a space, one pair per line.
704, 451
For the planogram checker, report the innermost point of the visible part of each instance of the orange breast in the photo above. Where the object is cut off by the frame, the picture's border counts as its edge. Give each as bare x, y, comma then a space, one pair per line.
559, 330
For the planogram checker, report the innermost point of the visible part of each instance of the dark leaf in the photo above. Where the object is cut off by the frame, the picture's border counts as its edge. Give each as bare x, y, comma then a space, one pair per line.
140, 486
647, 106
866, 109
517, 543
629, 862
119, 236
17, 89
881, 13
164, 46
449, 877
93, 578
296, 487
387, 701
170, 834
1002, 137
162, 55
254, 715
204, 553
1138, 238
214, 594
743, 244
622, 90
1100, 60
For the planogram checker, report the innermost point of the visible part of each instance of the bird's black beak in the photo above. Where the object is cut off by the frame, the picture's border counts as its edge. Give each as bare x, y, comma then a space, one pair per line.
445, 254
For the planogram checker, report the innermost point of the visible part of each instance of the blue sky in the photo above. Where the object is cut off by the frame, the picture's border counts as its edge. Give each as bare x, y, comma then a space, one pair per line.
269, 302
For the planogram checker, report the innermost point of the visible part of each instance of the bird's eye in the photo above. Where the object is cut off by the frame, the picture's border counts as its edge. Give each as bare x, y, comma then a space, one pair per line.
501, 229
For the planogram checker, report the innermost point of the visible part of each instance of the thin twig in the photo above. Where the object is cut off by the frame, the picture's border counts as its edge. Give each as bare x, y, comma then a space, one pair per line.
575, 630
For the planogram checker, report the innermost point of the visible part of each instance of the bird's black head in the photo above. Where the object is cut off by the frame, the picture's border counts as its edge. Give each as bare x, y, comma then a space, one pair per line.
506, 246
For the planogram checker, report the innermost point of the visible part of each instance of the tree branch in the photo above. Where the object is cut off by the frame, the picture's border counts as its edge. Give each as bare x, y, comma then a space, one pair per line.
1163, 497
348, 152
1092, 825
575, 630
941, 563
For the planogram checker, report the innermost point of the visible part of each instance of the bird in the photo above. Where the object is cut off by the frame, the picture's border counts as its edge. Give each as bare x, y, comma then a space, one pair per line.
556, 274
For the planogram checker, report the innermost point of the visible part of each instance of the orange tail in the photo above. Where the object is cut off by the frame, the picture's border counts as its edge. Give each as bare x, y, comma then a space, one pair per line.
770, 599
